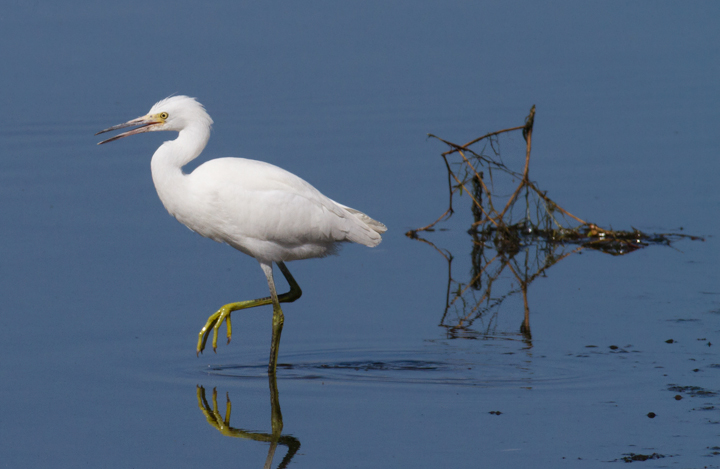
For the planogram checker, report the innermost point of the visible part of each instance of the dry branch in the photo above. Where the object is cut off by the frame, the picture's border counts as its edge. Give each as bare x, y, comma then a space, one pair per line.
466, 175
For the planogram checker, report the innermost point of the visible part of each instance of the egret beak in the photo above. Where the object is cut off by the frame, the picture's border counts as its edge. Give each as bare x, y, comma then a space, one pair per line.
144, 123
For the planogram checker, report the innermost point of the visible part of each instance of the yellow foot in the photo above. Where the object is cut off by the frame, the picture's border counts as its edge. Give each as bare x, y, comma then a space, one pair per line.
214, 322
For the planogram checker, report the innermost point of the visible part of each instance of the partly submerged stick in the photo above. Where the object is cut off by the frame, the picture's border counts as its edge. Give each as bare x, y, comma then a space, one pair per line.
469, 168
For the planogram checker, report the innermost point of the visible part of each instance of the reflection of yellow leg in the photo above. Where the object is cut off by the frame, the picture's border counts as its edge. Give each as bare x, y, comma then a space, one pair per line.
223, 314
215, 419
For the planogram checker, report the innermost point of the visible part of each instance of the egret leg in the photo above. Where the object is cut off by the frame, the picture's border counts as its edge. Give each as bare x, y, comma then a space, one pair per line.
278, 318
223, 314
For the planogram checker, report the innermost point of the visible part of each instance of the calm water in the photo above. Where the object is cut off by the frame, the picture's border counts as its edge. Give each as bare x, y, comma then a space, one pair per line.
104, 293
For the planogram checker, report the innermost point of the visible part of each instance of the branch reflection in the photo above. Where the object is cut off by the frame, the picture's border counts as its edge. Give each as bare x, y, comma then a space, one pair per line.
499, 272
215, 418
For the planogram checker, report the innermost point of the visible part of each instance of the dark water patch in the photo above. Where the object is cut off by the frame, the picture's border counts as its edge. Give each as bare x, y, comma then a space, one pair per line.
693, 391
401, 365
632, 457
706, 407
612, 350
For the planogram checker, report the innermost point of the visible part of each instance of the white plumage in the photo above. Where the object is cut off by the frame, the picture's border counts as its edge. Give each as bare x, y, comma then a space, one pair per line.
255, 207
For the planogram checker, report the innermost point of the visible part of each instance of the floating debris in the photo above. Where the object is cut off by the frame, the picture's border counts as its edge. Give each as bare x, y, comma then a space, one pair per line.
475, 171
630, 457
517, 234
693, 391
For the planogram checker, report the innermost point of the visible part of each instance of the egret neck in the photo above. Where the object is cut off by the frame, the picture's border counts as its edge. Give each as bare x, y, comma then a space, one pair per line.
168, 161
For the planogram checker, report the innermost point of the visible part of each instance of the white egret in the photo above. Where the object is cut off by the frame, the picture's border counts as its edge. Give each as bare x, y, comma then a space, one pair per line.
255, 207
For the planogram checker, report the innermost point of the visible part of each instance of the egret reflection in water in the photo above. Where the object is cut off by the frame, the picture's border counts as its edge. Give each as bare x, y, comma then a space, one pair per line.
275, 437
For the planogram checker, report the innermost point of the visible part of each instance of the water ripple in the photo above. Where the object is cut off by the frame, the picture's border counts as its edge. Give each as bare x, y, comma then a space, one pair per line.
398, 367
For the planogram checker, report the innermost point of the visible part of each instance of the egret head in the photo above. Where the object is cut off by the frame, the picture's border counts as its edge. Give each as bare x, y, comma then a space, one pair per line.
173, 113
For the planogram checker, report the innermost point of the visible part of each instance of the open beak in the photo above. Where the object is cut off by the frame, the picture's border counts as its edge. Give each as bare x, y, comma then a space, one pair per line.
144, 123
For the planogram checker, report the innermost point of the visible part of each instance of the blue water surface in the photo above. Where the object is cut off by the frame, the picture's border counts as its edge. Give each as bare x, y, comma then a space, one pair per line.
104, 293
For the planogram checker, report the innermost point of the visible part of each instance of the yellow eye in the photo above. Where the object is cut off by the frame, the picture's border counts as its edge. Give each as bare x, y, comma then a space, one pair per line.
163, 115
